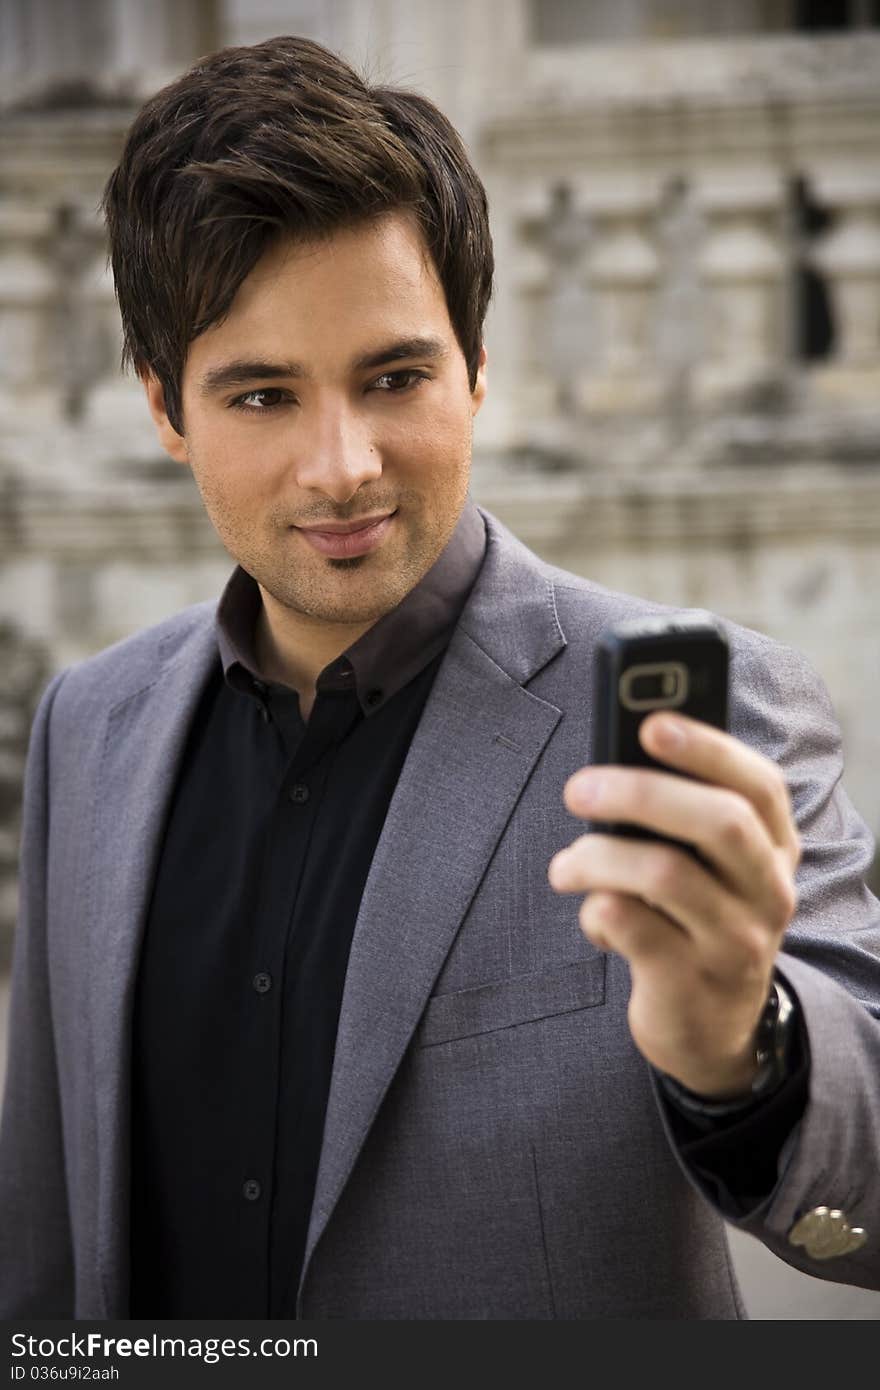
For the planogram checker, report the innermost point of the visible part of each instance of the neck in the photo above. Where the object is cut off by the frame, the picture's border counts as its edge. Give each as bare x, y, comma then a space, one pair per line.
292, 649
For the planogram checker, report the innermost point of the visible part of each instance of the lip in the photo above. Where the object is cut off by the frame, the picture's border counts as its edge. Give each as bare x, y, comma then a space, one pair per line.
345, 528
341, 540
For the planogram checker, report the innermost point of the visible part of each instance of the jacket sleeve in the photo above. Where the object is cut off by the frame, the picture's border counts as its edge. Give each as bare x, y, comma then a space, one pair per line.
831, 962
36, 1264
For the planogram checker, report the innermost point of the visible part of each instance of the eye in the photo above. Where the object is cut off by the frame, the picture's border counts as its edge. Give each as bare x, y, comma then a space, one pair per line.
261, 400
393, 383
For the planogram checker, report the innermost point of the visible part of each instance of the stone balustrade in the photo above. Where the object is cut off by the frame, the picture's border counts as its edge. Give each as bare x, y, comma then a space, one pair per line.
693, 262
742, 309
613, 318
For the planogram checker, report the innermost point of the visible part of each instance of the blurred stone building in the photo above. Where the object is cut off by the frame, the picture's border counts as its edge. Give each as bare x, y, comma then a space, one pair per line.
684, 343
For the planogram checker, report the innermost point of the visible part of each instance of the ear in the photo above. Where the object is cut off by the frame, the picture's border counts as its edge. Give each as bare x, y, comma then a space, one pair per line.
478, 395
172, 442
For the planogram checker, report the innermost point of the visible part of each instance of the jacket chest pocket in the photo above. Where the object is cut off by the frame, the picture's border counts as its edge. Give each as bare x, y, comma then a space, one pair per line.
464, 1013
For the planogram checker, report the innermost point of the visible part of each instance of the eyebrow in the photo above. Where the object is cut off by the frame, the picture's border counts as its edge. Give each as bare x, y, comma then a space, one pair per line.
240, 372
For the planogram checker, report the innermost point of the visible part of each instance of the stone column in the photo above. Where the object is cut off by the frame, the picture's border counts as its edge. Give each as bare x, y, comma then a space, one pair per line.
28, 295
45, 42
848, 255
152, 44
623, 271
24, 669
551, 329
110, 397
536, 391
742, 271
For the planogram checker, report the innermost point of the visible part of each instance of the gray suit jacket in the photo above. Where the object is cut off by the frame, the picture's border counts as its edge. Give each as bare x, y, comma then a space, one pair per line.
494, 1147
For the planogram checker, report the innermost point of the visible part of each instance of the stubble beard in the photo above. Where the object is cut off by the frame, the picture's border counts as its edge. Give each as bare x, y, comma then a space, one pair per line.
353, 594
298, 585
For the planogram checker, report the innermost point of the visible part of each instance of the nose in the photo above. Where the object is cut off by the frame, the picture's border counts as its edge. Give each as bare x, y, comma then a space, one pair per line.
336, 454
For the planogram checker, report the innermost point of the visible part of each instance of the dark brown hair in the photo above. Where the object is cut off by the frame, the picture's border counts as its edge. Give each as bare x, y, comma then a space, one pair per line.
278, 139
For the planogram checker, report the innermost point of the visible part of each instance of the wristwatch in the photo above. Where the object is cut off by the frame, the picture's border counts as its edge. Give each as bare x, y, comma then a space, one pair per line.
773, 1048
773, 1041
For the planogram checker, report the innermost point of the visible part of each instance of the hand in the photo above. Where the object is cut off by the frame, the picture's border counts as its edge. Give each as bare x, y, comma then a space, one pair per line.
700, 939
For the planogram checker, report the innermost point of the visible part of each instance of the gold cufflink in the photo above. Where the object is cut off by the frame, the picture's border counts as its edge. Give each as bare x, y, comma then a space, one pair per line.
825, 1232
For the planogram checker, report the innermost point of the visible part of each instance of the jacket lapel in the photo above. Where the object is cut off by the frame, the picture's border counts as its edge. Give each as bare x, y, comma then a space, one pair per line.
144, 741
479, 738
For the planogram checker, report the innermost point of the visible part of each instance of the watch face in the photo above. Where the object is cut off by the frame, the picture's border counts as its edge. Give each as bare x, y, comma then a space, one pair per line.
773, 1041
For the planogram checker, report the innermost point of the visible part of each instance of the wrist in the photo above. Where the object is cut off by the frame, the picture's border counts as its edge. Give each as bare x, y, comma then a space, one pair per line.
764, 1070
732, 1083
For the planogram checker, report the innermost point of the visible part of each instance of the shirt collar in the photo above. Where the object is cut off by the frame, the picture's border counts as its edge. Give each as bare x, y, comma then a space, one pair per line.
390, 653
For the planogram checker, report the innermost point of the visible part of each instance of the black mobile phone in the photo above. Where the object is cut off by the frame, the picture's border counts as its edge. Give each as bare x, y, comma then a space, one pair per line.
678, 663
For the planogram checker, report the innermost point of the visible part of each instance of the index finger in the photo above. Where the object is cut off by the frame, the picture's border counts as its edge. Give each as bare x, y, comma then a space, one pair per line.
691, 746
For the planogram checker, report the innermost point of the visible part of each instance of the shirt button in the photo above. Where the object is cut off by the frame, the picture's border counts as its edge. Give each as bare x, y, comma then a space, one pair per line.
299, 793
262, 982
251, 1190
264, 713
373, 697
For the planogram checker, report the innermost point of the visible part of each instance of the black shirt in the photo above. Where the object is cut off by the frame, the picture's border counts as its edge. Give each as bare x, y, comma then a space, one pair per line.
267, 846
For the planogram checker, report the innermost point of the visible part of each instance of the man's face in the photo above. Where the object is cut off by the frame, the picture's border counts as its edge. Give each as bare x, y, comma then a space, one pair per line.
335, 390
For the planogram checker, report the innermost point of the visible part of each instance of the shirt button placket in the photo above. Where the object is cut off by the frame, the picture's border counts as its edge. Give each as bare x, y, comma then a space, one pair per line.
259, 689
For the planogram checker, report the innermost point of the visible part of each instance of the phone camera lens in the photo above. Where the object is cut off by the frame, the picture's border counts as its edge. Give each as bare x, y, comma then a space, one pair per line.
652, 687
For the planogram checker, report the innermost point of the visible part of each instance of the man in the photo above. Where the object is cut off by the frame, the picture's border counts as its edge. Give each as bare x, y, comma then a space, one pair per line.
322, 1005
